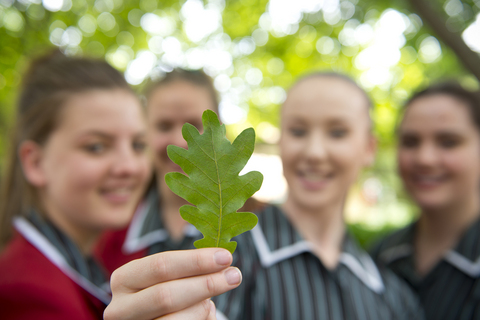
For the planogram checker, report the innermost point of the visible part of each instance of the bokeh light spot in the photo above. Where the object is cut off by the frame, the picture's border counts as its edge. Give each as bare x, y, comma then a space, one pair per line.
13, 20
138, 69
106, 21
275, 66
471, 35
88, 24
430, 50
53, 5
254, 76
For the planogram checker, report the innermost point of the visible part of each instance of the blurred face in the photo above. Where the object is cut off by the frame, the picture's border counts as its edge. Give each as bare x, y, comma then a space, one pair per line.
439, 152
169, 108
325, 141
94, 164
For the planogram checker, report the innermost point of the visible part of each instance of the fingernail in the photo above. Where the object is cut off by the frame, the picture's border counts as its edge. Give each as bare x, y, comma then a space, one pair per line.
222, 258
233, 276
212, 307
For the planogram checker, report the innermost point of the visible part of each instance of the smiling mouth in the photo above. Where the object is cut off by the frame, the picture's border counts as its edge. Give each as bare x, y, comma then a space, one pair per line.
427, 181
118, 195
314, 180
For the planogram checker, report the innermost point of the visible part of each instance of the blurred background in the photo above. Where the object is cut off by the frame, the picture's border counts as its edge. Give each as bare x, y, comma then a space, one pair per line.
254, 50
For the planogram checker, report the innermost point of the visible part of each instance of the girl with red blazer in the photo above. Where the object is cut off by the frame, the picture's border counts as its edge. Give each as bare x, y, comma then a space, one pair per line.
78, 166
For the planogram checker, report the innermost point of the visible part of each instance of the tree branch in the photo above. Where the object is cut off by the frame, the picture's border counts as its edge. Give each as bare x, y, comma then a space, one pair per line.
469, 58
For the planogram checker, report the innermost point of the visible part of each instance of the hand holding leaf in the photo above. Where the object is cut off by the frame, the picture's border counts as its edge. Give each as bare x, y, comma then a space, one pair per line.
213, 185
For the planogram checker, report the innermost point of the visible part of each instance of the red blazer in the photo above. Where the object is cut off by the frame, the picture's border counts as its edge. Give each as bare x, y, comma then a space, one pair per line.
110, 253
32, 287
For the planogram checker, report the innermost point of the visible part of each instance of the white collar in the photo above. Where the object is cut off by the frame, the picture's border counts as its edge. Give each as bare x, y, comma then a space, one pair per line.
135, 242
365, 270
467, 266
459, 261
39, 241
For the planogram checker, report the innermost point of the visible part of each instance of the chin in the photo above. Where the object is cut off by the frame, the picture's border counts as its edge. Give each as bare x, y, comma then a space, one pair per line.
115, 219
430, 203
116, 223
311, 201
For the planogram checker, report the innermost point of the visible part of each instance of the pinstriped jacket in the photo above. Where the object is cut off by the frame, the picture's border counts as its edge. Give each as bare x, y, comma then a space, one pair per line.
451, 290
284, 280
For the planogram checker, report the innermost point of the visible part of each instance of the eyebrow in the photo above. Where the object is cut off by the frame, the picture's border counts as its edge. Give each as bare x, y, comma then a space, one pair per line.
435, 133
104, 135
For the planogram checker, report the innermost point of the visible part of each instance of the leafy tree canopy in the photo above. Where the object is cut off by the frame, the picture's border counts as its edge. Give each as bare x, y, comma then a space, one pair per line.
254, 50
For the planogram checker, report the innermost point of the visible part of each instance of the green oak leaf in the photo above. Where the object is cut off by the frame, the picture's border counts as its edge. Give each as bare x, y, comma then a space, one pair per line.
213, 184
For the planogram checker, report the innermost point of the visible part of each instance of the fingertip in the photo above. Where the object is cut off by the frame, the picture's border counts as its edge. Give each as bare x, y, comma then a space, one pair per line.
233, 276
223, 257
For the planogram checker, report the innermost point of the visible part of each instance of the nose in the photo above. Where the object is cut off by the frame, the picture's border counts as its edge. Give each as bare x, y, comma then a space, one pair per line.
177, 138
426, 155
315, 148
128, 162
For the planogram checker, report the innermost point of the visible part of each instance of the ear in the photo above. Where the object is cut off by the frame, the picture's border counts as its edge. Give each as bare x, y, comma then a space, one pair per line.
30, 155
371, 151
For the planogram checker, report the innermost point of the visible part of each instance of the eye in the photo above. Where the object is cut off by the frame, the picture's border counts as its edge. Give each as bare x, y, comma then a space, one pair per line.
297, 132
449, 142
95, 148
409, 142
164, 126
338, 132
139, 146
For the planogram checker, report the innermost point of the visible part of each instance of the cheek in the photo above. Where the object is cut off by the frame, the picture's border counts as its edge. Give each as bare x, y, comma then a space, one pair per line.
145, 168
289, 151
74, 179
352, 164
87, 173
159, 142
346, 155
404, 161
463, 163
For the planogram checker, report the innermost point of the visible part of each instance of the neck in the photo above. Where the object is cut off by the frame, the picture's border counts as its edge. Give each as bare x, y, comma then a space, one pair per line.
439, 230
85, 237
448, 222
323, 227
170, 211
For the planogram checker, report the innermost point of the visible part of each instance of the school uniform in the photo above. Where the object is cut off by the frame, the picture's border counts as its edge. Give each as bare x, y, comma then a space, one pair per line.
283, 279
451, 290
145, 235
44, 276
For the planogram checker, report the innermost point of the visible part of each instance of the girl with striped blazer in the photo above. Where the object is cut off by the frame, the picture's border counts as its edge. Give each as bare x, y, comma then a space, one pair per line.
299, 262
439, 163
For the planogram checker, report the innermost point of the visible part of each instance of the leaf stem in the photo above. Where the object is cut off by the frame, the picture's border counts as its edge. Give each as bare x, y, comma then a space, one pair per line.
220, 207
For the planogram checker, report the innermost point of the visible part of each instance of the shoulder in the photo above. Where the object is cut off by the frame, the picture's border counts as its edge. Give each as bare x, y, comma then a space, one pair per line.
272, 220
269, 212
246, 255
32, 287
269, 221
399, 295
21, 259
399, 240
109, 250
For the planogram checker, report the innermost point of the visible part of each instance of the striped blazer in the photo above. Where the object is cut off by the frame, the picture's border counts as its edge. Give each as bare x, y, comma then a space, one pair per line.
284, 280
451, 290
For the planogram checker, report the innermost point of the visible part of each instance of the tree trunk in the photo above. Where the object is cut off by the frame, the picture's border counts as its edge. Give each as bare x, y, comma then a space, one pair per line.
469, 58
